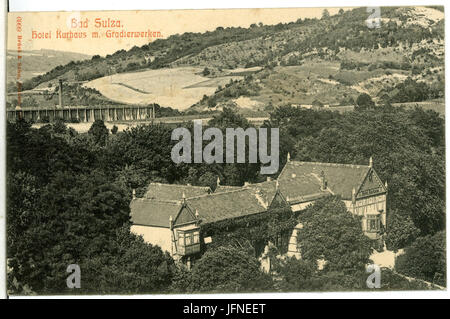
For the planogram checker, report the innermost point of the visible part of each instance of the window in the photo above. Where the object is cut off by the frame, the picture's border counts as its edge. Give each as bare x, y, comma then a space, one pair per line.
188, 239
373, 223
181, 239
196, 238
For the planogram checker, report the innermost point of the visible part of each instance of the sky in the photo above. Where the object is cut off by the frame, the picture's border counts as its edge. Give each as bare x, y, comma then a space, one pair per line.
168, 22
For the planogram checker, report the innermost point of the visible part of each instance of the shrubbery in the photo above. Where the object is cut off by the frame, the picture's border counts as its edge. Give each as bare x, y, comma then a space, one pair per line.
425, 258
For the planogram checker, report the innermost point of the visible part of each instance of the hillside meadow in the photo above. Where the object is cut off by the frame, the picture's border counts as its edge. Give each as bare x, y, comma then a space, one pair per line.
178, 88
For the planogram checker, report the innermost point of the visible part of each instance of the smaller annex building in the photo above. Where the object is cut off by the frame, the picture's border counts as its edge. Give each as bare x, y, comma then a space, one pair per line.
171, 216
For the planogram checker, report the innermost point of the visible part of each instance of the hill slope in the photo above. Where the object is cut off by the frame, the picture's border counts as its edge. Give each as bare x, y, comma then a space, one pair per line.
312, 61
38, 62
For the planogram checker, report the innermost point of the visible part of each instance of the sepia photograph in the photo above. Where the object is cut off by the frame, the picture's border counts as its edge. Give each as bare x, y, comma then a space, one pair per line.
225, 151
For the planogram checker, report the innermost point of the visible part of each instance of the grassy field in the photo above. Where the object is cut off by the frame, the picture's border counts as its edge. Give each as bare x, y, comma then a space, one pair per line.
178, 88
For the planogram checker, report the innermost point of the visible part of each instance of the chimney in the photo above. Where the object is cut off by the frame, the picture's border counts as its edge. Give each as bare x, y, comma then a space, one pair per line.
269, 179
371, 162
277, 185
196, 213
288, 157
60, 92
170, 222
353, 195
323, 180
386, 185
134, 193
183, 197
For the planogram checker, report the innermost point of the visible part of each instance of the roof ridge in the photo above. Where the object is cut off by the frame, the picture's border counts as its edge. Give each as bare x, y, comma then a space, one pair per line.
163, 201
180, 185
308, 195
330, 164
220, 193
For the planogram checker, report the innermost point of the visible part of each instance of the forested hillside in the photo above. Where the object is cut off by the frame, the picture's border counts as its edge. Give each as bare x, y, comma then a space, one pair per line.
327, 61
70, 193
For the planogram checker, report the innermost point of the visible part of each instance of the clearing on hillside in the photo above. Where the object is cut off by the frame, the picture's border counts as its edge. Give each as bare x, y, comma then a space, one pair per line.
178, 88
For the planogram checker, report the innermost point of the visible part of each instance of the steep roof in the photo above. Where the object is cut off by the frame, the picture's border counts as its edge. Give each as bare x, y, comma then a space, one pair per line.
298, 182
175, 192
224, 205
150, 212
302, 179
266, 189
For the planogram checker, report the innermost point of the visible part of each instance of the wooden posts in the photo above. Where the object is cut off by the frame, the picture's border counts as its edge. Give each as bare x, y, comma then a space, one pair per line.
85, 114
60, 92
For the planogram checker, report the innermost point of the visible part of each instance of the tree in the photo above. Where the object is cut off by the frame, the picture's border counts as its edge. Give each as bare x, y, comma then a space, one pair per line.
128, 266
208, 179
206, 71
226, 269
59, 126
401, 232
144, 149
114, 129
73, 217
405, 153
236, 173
295, 274
425, 259
364, 101
333, 234
99, 132
57, 200
325, 14
212, 102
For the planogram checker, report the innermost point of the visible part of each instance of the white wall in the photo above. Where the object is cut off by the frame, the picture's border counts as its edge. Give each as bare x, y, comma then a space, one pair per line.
154, 235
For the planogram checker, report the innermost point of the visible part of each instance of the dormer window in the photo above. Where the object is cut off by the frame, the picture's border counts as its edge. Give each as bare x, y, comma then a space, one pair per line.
188, 240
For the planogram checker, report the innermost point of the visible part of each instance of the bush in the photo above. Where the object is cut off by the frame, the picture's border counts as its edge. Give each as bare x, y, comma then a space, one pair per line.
114, 129
295, 274
225, 269
99, 131
364, 101
425, 259
401, 231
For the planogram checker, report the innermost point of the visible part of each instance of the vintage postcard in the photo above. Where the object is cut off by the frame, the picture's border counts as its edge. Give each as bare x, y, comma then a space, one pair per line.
225, 151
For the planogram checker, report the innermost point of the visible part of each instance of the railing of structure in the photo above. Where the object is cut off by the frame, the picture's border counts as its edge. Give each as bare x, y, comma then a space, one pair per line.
84, 113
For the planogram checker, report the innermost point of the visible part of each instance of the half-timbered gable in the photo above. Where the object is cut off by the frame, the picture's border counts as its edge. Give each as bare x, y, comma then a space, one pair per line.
170, 215
359, 186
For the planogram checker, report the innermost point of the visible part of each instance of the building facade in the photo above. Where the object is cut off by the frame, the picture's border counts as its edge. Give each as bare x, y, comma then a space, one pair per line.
170, 216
